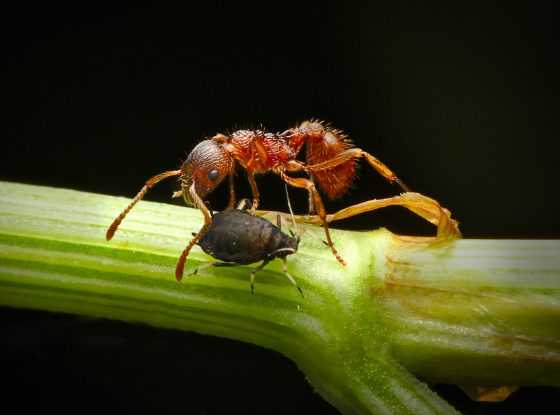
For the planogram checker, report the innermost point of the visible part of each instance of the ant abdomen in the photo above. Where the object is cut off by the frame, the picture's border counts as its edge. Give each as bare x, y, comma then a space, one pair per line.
323, 145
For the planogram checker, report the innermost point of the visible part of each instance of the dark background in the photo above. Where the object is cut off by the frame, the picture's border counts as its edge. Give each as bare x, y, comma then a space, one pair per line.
461, 102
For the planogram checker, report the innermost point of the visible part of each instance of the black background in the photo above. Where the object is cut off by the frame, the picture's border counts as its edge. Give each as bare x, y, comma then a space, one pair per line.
460, 102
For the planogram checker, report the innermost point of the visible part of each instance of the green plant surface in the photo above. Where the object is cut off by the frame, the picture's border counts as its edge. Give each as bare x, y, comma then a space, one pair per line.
466, 312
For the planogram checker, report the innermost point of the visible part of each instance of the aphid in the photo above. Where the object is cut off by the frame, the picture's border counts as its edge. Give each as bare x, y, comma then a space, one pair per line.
239, 238
330, 160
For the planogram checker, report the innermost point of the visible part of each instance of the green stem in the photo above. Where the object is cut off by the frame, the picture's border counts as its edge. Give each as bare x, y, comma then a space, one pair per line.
490, 305
445, 312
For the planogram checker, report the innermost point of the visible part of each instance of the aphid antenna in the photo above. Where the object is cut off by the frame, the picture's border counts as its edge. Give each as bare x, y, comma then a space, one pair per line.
291, 210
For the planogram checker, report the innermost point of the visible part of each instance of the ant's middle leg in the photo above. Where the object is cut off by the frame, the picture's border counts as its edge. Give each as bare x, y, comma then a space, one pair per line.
298, 166
355, 153
307, 184
254, 189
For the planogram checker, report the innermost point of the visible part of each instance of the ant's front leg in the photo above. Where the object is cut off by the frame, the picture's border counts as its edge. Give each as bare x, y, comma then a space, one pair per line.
179, 269
307, 184
232, 198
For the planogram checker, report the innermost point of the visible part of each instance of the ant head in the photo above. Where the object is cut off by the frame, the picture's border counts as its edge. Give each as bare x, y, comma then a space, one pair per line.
206, 166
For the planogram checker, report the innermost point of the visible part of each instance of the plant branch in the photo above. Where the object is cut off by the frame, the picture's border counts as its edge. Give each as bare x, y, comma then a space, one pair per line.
469, 312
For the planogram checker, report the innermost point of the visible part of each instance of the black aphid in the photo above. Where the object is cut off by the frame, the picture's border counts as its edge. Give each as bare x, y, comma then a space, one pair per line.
239, 238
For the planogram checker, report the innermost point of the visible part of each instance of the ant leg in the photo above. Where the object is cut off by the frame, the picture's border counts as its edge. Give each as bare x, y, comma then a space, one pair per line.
254, 189
179, 269
298, 166
304, 183
354, 153
232, 197
287, 274
200, 204
254, 272
425, 207
147, 186
311, 205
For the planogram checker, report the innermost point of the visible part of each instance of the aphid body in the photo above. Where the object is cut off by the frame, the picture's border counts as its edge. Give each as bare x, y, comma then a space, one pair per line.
237, 237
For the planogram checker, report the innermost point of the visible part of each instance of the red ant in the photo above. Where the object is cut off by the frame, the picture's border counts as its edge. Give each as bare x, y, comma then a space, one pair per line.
330, 163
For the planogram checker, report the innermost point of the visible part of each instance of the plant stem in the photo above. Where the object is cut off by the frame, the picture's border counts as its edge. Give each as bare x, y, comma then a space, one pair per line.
467, 312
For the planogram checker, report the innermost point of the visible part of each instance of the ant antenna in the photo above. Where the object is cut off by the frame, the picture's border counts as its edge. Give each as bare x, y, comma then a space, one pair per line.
290, 208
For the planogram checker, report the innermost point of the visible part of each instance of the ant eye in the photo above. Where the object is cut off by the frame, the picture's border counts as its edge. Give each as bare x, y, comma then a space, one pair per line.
213, 174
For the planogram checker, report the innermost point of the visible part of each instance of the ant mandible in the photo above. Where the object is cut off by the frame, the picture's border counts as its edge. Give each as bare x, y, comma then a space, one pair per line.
330, 162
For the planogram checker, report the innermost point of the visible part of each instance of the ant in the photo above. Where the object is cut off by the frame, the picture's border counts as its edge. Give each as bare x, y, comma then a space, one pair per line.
330, 162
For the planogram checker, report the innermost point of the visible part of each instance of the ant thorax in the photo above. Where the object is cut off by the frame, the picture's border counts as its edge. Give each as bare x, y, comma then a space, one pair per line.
260, 151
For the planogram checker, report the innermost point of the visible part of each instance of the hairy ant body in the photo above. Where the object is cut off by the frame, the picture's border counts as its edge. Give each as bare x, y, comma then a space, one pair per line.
239, 238
330, 162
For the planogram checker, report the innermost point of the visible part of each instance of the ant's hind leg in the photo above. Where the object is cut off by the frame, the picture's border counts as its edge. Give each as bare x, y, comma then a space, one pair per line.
384, 170
423, 206
307, 184
355, 153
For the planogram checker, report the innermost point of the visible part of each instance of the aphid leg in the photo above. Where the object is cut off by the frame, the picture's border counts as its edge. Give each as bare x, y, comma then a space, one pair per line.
304, 183
147, 186
243, 204
179, 269
291, 211
254, 272
254, 189
287, 274
354, 153
212, 264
